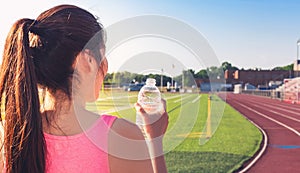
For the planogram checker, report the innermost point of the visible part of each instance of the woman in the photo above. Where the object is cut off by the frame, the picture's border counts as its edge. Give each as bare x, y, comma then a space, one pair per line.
62, 54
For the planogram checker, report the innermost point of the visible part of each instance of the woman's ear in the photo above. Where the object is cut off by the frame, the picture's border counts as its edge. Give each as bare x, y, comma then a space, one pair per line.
93, 64
103, 63
104, 66
85, 62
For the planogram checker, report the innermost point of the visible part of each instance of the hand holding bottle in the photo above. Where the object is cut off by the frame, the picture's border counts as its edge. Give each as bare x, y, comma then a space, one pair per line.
152, 119
151, 110
154, 125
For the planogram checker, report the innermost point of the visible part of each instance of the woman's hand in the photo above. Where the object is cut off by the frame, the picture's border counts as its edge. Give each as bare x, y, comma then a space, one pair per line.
155, 125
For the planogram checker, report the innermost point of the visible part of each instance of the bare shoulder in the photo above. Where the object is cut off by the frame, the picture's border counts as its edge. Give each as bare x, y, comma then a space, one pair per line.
127, 149
127, 129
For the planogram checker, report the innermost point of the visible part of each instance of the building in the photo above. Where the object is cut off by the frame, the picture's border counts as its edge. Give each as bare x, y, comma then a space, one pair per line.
256, 77
262, 79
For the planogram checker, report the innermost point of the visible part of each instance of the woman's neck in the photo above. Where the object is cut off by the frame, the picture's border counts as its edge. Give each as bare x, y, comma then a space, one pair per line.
61, 115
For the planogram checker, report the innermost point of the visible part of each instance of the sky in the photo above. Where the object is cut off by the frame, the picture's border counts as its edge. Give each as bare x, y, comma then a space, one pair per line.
246, 33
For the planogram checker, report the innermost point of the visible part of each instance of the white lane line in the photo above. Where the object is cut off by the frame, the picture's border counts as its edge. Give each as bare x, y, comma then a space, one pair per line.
278, 107
182, 98
117, 109
196, 99
285, 116
291, 107
110, 98
171, 97
129, 107
265, 116
280, 114
263, 149
287, 107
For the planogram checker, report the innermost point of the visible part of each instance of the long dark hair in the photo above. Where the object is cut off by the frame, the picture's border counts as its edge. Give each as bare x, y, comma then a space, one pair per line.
39, 52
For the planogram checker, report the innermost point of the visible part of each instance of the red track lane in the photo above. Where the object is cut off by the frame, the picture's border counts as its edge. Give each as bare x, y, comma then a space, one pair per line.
281, 122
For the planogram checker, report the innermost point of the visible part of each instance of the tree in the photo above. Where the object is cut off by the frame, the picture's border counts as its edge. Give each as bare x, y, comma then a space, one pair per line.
215, 72
202, 74
228, 66
287, 67
108, 78
189, 77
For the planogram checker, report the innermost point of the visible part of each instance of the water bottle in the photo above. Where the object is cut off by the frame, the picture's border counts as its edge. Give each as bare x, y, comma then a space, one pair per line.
150, 100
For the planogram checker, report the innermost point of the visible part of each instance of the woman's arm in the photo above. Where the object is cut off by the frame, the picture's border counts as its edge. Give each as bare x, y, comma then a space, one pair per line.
155, 127
156, 152
127, 149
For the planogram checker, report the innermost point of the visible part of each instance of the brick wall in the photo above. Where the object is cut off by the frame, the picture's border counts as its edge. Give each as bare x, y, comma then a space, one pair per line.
256, 77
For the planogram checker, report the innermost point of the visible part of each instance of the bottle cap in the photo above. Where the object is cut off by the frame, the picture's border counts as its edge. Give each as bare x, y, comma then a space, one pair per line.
150, 81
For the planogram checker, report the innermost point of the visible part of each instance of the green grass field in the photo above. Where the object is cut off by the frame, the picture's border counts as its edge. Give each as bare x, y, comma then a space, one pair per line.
187, 149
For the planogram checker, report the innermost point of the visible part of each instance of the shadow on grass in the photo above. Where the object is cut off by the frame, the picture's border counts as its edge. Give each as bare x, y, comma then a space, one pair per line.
202, 162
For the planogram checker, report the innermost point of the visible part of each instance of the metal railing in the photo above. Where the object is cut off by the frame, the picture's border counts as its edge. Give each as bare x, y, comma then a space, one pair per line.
280, 95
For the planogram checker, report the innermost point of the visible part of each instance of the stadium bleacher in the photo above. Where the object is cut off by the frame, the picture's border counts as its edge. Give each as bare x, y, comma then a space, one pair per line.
291, 90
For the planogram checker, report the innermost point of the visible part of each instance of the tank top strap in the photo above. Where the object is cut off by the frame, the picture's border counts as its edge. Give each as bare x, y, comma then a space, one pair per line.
108, 119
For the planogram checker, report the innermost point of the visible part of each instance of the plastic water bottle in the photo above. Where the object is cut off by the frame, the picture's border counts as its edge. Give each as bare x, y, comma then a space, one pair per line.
149, 98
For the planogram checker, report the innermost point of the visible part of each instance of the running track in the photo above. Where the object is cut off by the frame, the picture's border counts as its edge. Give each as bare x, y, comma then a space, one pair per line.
281, 123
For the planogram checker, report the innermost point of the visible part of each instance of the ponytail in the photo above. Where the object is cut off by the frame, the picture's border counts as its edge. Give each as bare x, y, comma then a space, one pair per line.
24, 143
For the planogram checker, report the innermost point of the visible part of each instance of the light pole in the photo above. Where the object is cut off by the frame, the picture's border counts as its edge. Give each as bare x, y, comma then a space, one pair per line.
297, 58
296, 69
183, 79
173, 66
161, 80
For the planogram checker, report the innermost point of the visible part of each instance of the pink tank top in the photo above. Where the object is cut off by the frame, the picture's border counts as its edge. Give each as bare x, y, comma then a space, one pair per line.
84, 152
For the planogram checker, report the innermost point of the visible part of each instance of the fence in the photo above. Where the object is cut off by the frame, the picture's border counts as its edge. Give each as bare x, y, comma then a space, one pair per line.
265, 93
288, 92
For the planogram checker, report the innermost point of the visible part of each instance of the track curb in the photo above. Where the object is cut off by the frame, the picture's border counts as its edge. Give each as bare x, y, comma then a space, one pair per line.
258, 154
263, 146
